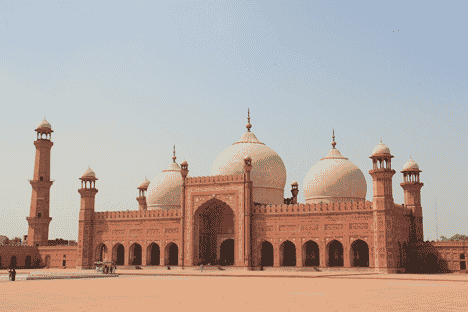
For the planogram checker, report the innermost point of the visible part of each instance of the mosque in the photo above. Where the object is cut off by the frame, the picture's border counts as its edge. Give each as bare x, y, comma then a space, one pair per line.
238, 216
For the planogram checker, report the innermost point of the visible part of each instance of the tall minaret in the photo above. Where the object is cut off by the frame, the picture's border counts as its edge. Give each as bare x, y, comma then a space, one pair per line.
39, 220
382, 203
412, 189
86, 221
142, 196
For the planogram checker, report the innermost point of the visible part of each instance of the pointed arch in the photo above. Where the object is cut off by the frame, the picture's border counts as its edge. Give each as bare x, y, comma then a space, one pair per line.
287, 253
311, 254
118, 254
359, 254
153, 254
335, 254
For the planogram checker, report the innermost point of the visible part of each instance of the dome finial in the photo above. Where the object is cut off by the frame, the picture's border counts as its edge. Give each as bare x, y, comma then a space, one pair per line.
333, 143
248, 120
173, 157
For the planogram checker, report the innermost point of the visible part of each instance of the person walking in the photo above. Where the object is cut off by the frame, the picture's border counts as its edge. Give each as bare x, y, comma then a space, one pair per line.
13, 275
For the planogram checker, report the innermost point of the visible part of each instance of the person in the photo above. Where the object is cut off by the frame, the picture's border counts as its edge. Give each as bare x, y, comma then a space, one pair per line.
111, 269
13, 274
115, 269
9, 274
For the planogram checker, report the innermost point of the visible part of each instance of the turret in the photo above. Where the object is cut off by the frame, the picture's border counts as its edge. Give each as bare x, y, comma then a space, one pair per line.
412, 189
382, 174
142, 194
86, 220
39, 220
294, 192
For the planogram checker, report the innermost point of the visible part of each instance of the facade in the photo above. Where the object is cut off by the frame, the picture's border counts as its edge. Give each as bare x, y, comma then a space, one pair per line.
238, 216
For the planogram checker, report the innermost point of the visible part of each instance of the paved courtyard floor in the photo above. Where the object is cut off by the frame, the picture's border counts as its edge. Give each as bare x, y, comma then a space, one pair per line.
235, 291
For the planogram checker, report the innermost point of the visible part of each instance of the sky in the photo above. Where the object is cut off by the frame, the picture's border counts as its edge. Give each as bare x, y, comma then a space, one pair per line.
121, 82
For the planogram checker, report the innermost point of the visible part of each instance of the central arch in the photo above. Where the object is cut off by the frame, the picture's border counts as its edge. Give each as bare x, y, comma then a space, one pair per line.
153, 254
335, 254
214, 221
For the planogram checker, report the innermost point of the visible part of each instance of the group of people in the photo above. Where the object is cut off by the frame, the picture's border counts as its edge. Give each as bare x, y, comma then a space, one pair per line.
12, 274
109, 269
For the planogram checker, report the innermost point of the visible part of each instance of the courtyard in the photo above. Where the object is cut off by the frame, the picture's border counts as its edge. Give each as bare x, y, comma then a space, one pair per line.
235, 291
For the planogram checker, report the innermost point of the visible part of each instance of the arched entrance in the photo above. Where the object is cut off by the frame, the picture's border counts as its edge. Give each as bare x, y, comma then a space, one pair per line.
101, 253
227, 252
213, 222
287, 254
27, 262
118, 254
359, 254
172, 254
266, 254
311, 254
135, 254
47, 261
153, 254
13, 262
335, 254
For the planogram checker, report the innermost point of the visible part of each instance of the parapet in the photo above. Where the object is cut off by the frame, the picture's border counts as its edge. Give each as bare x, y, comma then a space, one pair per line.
106, 215
313, 208
215, 179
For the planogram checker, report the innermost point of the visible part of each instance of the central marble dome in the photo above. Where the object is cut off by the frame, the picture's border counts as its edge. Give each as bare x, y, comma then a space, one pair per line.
268, 170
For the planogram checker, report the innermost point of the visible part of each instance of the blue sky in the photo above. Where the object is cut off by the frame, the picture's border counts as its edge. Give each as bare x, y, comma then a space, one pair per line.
123, 81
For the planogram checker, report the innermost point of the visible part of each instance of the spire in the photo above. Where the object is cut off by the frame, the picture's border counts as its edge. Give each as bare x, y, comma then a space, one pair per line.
248, 120
173, 157
333, 143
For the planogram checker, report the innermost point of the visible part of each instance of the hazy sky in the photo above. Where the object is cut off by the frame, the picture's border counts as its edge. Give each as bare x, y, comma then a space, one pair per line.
122, 81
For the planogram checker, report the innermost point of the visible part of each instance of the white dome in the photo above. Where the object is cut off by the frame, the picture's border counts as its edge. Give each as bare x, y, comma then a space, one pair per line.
334, 179
165, 189
410, 165
381, 149
268, 171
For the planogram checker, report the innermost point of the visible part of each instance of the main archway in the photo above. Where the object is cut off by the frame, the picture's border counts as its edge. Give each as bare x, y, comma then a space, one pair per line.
214, 222
172, 254
311, 254
135, 254
335, 254
153, 254
359, 254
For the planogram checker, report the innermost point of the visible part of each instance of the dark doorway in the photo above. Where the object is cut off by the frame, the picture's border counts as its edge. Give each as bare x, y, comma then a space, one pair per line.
27, 262
359, 254
119, 254
266, 254
135, 254
13, 262
64, 263
1, 265
212, 219
335, 254
173, 254
101, 253
154, 254
462, 265
227, 252
311, 254
288, 254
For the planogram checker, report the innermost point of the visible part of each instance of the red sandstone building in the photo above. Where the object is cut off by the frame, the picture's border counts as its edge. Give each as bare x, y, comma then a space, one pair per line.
238, 217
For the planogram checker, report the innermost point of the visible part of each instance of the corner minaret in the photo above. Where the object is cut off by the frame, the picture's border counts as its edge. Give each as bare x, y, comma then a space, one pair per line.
86, 221
142, 206
383, 204
412, 188
39, 220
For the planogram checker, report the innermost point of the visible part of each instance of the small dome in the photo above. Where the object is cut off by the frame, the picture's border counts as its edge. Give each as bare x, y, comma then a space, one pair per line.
165, 189
89, 173
44, 124
334, 179
294, 183
410, 165
145, 183
381, 149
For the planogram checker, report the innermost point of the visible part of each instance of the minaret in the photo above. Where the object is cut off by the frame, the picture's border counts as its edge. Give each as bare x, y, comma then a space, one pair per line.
412, 189
248, 191
294, 192
382, 203
86, 221
142, 195
39, 220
